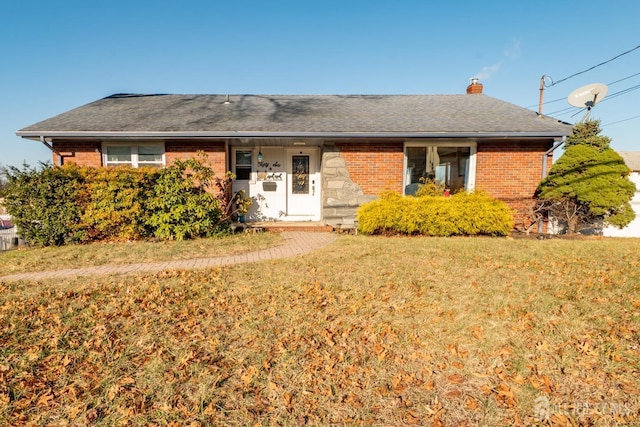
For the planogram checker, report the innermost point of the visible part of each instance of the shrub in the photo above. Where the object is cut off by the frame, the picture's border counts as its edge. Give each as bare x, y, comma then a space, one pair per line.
115, 210
589, 184
58, 205
429, 188
461, 214
46, 202
179, 206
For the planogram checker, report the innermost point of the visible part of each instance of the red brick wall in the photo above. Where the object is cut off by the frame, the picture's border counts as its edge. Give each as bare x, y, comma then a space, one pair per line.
374, 166
82, 153
511, 171
89, 153
183, 150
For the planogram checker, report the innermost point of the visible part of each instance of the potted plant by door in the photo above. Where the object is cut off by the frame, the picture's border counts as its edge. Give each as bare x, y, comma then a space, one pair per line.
243, 203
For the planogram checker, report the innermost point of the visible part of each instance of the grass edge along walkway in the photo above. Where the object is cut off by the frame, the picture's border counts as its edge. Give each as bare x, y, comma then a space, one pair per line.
295, 243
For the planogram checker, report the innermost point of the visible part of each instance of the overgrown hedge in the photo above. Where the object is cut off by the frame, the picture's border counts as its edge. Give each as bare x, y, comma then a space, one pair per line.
59, 205
46, 203
115, 205
463, 213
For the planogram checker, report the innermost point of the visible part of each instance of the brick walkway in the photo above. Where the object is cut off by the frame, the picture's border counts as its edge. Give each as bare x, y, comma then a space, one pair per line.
295, 243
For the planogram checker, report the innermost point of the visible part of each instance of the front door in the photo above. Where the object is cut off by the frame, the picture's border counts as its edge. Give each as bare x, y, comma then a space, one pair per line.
303, 186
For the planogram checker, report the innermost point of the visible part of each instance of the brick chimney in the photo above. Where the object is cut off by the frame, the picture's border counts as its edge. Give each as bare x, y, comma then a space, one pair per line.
474, 87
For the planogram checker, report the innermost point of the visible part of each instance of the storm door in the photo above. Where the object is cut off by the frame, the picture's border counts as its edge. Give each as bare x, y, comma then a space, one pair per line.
303, 196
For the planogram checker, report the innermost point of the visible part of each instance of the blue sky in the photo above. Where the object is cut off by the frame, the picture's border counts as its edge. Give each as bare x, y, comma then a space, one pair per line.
58, 55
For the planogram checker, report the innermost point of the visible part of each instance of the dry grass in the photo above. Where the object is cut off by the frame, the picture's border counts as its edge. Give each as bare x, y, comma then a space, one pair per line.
72, 256
375, 331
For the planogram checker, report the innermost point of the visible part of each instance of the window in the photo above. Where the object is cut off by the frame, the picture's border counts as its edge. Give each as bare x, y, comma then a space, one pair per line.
447, 165
300, 168
150, 155
134, 155
118, 155
243, 164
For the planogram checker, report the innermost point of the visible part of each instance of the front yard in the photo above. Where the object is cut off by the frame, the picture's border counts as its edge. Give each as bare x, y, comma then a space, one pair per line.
369, 330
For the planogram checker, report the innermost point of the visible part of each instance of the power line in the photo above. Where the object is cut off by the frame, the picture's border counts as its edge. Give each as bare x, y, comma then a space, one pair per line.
588, 69
564, 110
623, 120
564, 98
622, 79
608, 98
544, 78
622, 92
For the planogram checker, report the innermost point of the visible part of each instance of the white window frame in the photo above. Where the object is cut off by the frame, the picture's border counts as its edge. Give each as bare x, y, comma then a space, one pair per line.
471, 144
135, 163
254, 155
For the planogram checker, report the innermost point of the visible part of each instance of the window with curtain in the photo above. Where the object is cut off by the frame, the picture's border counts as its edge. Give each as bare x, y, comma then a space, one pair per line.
446, 166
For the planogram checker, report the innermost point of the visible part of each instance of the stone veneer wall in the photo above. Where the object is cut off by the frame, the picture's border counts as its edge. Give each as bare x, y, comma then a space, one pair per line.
341, 197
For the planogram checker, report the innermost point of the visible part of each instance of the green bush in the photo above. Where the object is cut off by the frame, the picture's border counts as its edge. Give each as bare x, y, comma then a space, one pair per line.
46, 203
461, 214
179, 205
589, 184
115, 210
58, 205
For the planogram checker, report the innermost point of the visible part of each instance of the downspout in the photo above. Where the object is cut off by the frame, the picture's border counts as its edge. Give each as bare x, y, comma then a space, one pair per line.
53, 150
547, 153
544, 168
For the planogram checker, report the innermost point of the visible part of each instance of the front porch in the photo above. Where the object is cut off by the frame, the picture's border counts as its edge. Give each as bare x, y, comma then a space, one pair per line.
280, 226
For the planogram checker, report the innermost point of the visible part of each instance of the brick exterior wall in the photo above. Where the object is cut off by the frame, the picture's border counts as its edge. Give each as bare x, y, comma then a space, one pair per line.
508, 170
184, 150
511, 171
82, 153
374, 166
89, 153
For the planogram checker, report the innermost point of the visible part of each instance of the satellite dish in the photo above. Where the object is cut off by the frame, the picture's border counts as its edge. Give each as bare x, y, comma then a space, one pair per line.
588, 96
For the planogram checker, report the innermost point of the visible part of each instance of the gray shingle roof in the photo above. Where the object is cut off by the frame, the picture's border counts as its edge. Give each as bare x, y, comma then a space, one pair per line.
631, 159
299, 114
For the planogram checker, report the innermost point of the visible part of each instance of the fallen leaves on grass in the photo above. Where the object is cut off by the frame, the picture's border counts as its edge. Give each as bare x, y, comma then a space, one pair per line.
398, 338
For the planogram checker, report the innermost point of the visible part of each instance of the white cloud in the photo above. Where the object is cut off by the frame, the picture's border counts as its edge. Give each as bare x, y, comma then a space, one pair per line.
488, 71
514, 51
511, 53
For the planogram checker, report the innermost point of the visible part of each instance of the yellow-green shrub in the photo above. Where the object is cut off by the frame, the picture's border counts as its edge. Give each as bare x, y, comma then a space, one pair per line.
59, 205
115, 210
461, 214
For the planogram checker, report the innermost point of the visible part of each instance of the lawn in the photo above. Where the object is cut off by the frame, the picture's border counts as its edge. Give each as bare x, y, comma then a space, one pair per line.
366, 331
72, 256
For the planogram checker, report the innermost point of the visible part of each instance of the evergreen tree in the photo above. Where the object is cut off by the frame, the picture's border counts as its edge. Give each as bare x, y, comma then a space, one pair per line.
589, 184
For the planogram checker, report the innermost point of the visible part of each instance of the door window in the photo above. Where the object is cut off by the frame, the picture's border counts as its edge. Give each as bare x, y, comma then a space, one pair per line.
300, 168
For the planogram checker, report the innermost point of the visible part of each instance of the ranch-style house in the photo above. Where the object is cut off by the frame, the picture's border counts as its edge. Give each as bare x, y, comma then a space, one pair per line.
318, 157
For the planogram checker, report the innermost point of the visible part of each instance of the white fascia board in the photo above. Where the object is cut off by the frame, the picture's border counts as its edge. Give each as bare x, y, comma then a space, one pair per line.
248, 134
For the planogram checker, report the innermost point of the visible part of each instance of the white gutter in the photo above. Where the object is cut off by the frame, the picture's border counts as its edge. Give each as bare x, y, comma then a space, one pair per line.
549, 152
53, 150
263, 134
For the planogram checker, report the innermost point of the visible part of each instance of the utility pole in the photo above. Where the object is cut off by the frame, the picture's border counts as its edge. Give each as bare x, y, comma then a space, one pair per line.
541, 94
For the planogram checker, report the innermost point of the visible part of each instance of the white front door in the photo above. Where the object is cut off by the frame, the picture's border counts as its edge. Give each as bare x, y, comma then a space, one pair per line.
303, 184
